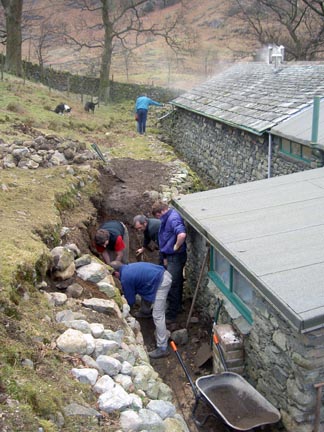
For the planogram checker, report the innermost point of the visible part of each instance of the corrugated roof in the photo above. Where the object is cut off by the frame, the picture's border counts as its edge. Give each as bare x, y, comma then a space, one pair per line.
273, 232
255, 96
299, 127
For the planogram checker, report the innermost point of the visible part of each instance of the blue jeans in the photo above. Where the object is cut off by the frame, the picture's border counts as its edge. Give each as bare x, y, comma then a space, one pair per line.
141, 122
175, 266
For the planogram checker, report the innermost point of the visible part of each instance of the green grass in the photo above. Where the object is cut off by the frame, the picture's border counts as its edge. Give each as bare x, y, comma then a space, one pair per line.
32, 105
29, 206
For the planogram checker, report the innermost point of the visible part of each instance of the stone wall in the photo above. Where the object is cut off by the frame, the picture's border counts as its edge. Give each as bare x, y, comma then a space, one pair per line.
221, 154
280, 363
87, 85
44, 151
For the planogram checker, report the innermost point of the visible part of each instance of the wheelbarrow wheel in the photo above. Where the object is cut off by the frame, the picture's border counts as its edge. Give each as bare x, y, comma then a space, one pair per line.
205, 418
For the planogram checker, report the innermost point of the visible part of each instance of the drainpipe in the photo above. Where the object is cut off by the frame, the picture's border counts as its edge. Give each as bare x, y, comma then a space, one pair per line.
269, 154
317, 149
316, 111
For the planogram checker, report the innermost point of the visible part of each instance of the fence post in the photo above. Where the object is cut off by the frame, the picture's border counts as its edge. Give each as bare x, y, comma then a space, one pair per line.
2, 66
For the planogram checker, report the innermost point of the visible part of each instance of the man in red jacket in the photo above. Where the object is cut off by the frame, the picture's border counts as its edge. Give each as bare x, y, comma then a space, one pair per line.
112, 241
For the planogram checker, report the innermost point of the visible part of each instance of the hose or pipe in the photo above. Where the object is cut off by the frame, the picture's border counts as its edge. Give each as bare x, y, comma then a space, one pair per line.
317, 419
197, 287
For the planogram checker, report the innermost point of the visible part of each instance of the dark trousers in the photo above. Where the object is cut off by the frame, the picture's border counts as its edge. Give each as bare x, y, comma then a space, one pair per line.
175, 266
141, 122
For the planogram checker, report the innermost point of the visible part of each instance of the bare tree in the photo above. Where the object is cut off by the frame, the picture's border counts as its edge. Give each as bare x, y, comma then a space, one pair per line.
127, 56
43, 42
3, 32
13, 16
121, 24
292, 23
316, 5
3, 36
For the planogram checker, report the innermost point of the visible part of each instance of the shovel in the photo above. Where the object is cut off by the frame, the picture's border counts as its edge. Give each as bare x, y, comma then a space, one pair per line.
102, 157
205, 351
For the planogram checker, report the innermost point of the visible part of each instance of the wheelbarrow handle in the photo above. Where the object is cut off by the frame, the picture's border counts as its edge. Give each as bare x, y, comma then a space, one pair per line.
173, 346
175, 349
220, 351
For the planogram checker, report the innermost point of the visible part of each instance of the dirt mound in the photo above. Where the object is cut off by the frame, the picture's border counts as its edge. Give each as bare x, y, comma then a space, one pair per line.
124, 194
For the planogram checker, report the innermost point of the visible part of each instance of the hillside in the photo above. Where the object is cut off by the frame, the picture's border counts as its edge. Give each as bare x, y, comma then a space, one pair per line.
215, 41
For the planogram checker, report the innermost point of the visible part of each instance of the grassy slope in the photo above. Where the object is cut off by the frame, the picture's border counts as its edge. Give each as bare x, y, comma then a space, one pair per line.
29, 198
30, 213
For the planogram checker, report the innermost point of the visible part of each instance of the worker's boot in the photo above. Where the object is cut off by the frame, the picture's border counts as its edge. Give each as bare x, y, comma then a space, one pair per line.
159, 353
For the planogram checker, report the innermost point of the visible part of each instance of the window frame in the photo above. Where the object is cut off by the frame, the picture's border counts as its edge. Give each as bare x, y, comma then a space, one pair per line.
228, 291
290, 153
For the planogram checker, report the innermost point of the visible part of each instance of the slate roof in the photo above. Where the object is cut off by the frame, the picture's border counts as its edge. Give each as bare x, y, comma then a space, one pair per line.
272, 231
255, 96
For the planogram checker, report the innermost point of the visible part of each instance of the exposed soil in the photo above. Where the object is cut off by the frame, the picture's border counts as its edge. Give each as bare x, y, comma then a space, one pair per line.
123, 200
123, 196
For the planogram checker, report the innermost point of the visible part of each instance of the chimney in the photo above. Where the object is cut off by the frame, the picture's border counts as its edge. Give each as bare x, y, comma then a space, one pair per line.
276, 55
270, 49
282, 52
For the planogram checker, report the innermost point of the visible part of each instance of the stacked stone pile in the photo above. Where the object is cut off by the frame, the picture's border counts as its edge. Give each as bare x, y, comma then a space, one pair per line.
44, 152
47, 151
114, 363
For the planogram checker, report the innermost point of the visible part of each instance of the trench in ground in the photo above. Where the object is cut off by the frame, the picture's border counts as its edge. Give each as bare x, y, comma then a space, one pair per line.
123, 195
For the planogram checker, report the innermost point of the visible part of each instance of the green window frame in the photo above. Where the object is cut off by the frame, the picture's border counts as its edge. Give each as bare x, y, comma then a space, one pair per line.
231, 283
295, 150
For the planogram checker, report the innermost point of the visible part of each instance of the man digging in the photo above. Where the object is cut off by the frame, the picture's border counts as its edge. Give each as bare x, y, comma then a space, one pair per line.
152, 282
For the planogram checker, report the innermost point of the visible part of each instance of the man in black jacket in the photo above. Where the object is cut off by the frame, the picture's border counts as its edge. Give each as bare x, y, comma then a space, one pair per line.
150, 229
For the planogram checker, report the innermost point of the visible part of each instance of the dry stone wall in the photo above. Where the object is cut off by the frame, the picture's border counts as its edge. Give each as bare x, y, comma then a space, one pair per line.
114, 364
44, 151
89, 85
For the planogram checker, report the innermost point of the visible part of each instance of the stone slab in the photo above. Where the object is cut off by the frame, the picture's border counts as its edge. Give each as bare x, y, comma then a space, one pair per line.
229, 339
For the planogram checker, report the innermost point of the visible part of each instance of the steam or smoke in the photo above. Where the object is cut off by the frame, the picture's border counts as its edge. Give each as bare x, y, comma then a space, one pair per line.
266, 53
262, 55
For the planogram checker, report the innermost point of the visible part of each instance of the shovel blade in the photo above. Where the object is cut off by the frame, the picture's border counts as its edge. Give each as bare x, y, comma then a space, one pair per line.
204, 353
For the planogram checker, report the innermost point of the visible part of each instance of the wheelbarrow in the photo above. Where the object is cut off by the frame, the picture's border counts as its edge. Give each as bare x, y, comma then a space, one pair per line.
230, 397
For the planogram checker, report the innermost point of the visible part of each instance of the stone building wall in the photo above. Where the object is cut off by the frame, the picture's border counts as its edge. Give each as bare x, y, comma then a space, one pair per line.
281, 363
221, 154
